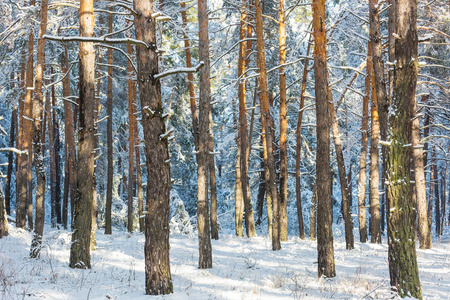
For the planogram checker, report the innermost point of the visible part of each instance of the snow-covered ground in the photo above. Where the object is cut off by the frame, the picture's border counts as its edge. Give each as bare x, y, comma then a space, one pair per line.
242, 269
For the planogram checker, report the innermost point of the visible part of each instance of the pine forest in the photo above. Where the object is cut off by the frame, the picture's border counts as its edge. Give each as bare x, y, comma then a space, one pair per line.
224, 149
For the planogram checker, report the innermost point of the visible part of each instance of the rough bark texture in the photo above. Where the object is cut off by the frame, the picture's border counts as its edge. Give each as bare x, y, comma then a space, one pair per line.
374, 190
131, 137
313, 215
80, 255
69, 133
158, 278
38, 138
403, 269
298, 186
379, 82
3, 219
243, 128
212, 180
326, 266
419, 182
269, 160
349, 240
238, 195
363, 158
283, 123
12, 137
109, 138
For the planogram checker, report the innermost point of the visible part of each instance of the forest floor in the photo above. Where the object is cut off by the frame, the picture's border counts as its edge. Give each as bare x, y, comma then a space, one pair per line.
242, 269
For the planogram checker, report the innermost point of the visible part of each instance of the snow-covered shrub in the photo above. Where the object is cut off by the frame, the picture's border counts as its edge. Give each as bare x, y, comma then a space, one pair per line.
179, 218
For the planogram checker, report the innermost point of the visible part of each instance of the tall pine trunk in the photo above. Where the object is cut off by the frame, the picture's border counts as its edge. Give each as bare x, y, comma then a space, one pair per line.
374, 193
403, 269
131, 137
269, 159
38, 138
243, 128
364, 143
12, 138
80, 256
326, 266
158, 278
205, 256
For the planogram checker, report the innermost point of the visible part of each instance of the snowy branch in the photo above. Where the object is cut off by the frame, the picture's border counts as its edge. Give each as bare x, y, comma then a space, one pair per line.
103, 39
178, 70
15, 150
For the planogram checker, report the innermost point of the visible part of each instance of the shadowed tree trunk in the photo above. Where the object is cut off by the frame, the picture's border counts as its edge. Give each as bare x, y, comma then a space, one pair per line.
80, 255
326, 266
437, 200
69, 133
243, 129
298, 191
109, 138
363, 158
158, 278
20, 211
403, 269
313, 215
419, 182
349, 240
140, 193
38, 138
12, 137
131, 137
205, 256
374, 193
238, 196
212, 180
269, 160
3, 219
379, 83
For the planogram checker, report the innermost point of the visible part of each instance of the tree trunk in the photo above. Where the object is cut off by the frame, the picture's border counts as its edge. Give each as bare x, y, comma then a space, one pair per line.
3, 219
403, 269
238, 194
20, 200
437, 200
419, 182
69, 133
298, 186
140, 193
349, 240
325, 246
379, 82
269, 160
38, 138
109, 137
51, 149
374, 192
205, 256
243, 129
283, 122
12, 137
158, 279
313, 215
131, 137
58, 166
212, 180
363, 158
80, 256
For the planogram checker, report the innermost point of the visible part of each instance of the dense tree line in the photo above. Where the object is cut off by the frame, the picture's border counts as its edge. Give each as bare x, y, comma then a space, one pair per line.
273, 80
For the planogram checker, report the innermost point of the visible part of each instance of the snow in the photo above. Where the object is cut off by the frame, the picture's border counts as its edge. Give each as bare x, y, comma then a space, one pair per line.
242, 269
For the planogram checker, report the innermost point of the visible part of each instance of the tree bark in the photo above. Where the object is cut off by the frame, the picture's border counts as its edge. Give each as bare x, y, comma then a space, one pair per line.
69, 133
437, 200
109, 138
403, 269
238, 194
313, 215
326, 266
298, 186
205, 256
269, 160
158, 278
12, 138
20, 185
80, 256
364, 143
3, 219
131, 137
212, 180
283, 123
349, 240
38, 138
419, 182
243, 128
374, 193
